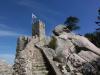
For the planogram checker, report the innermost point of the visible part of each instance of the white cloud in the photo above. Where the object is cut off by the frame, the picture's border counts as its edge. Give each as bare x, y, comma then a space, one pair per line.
5, 26
6, 30
9, 58
8, 33
2, 18
38, 6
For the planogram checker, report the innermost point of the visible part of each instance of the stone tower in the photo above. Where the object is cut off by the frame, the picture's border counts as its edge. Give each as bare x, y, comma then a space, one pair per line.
38, 30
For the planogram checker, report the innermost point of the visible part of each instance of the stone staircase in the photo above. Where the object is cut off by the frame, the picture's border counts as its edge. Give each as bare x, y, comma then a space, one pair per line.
39, 69
49, 54
39, 64
32, 60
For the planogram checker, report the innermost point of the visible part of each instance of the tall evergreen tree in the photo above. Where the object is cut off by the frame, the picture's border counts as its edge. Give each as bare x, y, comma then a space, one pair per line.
91, 37
95, 37
71, 23
98, 20
98, 29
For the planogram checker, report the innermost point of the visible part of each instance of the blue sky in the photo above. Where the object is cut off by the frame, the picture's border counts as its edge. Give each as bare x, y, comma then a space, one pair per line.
15, 18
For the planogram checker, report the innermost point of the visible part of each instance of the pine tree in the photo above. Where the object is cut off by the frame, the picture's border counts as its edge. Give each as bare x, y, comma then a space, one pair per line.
95, 36
71, 23
98, 20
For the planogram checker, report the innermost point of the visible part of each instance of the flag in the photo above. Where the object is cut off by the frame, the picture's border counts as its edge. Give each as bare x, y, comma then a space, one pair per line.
34, 18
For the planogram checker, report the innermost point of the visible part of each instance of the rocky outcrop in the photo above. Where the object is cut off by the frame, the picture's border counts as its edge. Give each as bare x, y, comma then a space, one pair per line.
71, 61
57, 55
5, 69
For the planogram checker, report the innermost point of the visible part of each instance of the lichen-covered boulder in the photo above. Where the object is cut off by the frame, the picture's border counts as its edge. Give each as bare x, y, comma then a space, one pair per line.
5, 69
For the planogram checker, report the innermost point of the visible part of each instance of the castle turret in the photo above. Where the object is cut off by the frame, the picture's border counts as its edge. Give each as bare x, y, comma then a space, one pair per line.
38, 30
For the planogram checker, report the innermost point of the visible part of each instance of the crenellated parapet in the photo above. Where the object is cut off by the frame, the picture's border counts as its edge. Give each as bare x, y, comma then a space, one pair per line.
22, 42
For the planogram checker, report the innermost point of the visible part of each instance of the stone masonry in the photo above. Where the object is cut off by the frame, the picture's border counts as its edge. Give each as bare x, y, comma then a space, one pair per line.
29, 59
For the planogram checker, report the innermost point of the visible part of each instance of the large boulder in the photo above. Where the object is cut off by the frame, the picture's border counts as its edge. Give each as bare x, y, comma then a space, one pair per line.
78, 61
5, 69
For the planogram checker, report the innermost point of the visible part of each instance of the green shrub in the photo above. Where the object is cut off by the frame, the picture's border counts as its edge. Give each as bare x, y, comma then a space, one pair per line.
52, 43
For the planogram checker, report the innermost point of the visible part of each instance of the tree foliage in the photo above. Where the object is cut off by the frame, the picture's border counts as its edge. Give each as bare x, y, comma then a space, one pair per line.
95, 36
52, 43
71, 23
98, 20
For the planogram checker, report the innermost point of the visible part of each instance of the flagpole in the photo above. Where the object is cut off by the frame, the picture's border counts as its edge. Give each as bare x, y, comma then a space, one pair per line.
34, 18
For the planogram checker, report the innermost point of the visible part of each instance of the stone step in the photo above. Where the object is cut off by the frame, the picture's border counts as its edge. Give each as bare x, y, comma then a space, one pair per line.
40, 72
38, 64
39, 68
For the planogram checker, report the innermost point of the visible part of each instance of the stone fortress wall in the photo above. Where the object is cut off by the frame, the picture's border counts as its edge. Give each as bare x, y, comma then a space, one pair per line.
34, 56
